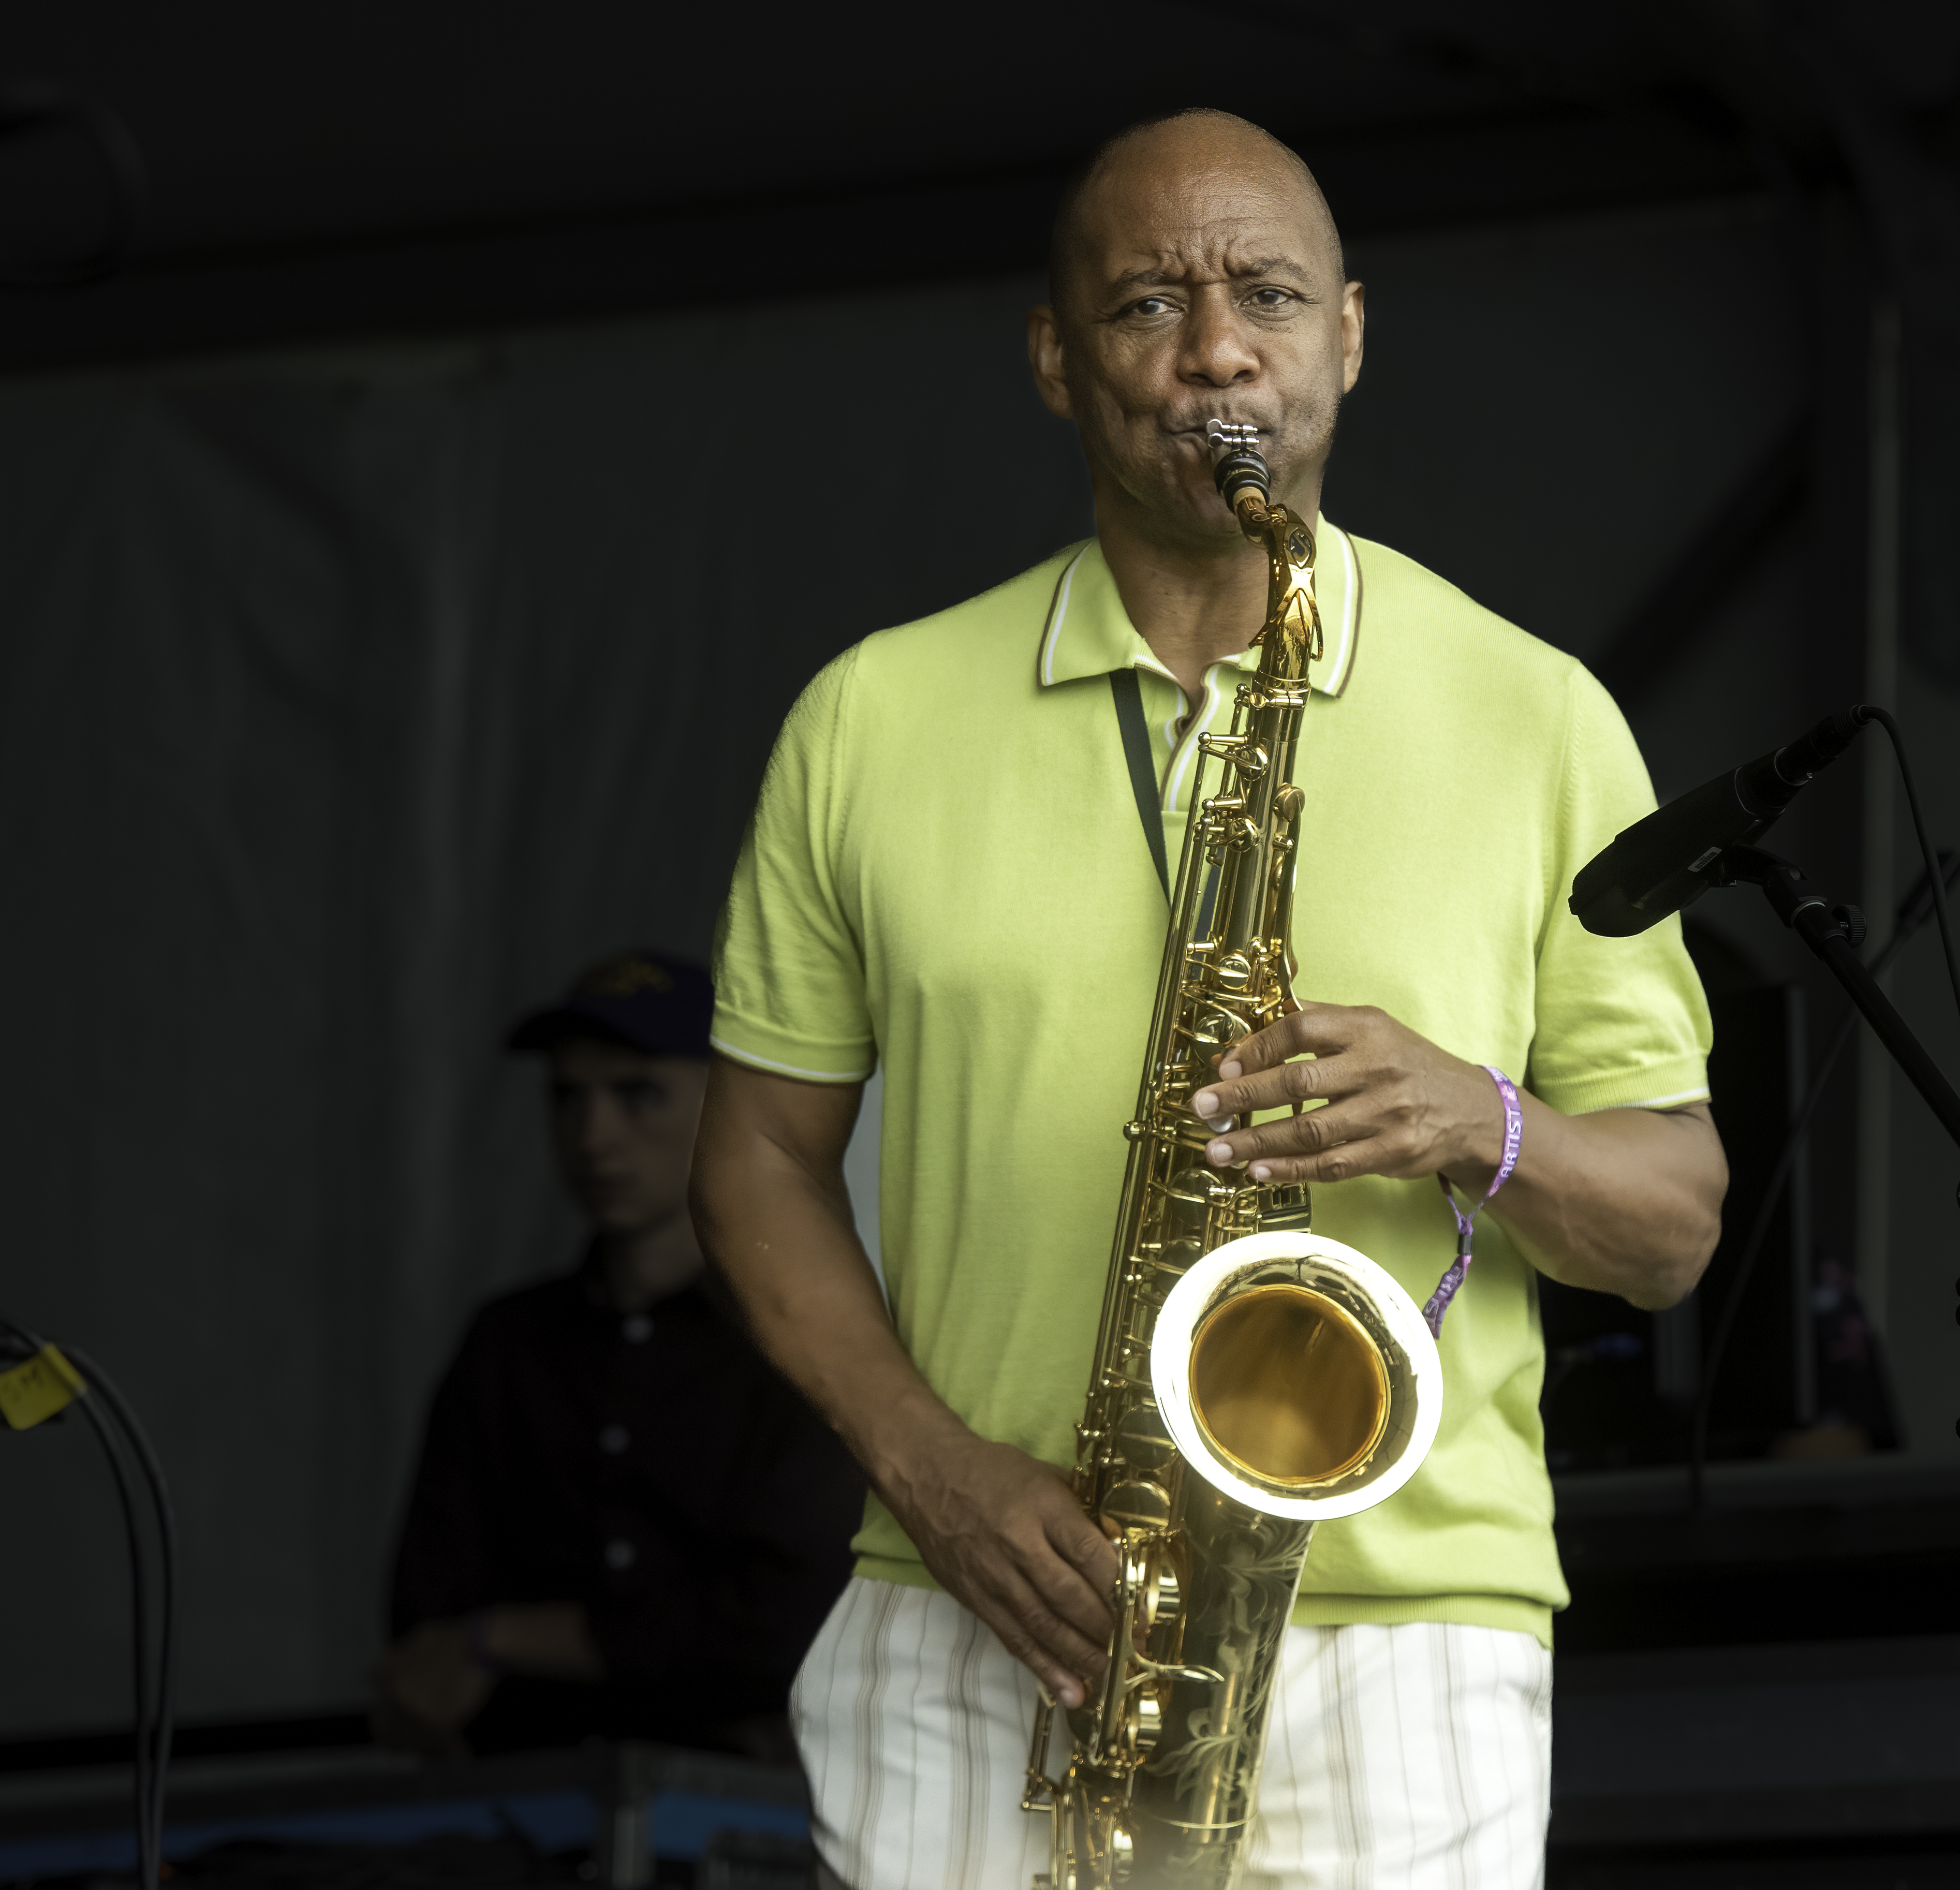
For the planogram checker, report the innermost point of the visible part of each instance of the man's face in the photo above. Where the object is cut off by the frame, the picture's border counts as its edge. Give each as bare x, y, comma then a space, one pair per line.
622, 1126
1205, 284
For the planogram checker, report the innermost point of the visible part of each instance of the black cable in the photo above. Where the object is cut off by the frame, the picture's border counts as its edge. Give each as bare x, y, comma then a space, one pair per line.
147, 1860
165, 1719
121, 1438
1758, 1230
1927, 896
164, 1722
1869, 712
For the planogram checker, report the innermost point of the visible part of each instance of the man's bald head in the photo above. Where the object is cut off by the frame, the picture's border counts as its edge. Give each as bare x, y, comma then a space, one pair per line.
1197, 276
1198, 139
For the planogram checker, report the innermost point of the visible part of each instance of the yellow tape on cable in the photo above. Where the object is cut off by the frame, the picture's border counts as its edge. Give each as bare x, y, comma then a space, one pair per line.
32, 1393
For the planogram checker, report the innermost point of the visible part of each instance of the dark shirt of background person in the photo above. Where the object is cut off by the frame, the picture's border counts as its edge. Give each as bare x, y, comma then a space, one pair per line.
624, 1523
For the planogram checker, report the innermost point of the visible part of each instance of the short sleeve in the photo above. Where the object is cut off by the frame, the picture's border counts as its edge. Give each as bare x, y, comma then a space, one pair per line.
1620, 1023
789, 958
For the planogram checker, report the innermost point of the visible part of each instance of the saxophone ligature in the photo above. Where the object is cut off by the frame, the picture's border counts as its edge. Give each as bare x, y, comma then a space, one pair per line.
1251, 1378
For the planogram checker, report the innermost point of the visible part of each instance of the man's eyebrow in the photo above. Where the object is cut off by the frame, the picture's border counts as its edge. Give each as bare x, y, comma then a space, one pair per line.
1258, 265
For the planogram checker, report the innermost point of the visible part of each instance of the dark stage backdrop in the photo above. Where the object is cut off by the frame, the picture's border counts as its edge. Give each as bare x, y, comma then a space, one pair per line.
346, 706
348, 702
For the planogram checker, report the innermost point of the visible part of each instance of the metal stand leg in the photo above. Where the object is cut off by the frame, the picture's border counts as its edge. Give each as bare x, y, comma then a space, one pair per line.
1833, 932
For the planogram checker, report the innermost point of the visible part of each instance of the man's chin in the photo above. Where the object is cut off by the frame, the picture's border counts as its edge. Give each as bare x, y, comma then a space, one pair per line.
1176, 493
615, 1220
1203, 515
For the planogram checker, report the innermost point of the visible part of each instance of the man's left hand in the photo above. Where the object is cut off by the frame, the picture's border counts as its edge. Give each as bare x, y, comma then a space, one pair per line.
1393, 1102
1625, 1200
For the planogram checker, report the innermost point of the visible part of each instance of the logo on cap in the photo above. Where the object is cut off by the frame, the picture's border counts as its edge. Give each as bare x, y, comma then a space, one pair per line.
621, 978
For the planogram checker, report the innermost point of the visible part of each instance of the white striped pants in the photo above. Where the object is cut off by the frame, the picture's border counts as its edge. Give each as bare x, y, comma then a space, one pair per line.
1408, 1758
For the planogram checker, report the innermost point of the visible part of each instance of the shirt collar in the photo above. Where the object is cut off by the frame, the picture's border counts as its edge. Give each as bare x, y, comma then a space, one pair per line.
1088, 632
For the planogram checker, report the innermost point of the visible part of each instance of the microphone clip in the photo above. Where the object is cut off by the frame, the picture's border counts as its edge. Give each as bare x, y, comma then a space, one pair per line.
1791, 897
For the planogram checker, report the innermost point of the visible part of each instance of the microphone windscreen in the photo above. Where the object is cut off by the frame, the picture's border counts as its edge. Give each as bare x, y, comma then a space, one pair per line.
1659, 864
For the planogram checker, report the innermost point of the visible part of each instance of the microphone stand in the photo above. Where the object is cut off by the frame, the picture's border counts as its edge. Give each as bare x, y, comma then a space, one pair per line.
1834, 933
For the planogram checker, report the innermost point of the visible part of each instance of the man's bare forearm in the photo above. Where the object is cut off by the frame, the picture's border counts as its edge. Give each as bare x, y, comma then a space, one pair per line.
1002, 1532
1627, 1202
778, 1225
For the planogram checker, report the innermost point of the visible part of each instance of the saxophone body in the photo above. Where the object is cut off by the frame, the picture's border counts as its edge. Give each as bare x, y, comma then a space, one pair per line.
1250, 1378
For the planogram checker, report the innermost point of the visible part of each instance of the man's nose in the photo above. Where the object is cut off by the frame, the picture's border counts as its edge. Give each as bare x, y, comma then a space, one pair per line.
598, 1124
1217, 350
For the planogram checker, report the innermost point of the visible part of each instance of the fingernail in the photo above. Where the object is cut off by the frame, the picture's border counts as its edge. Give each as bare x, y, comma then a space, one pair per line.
1233, 1069
1206, 1103
1218, 1153
1261, 1172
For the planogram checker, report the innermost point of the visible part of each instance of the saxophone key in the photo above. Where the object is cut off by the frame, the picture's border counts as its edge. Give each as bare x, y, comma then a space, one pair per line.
1145, 1439
1137, 1504
1235, 973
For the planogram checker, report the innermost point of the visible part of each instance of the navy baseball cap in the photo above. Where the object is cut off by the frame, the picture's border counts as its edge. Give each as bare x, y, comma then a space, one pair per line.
648, 1001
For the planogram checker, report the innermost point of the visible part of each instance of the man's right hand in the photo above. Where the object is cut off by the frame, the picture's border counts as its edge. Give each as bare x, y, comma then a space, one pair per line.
1004, 1534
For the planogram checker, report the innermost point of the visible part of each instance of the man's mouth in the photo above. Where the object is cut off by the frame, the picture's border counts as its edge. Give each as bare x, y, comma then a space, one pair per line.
1197, 435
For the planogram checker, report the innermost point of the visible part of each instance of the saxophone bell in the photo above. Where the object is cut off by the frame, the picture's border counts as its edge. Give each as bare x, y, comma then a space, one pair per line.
1297, 1377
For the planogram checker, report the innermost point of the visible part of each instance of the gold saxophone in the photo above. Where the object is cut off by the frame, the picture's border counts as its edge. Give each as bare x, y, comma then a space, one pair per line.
1250, 1378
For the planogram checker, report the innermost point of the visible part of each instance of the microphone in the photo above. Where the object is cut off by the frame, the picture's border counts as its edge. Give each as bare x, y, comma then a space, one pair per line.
1659, 864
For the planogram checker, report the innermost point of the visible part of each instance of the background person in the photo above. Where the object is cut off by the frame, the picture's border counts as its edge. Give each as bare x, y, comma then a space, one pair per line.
946, 875
625, 1522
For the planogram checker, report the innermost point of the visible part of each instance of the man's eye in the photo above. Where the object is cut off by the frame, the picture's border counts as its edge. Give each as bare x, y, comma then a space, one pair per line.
1150, 305
1270, 297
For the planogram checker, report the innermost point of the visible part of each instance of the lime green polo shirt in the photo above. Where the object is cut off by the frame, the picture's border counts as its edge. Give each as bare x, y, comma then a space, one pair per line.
945, 875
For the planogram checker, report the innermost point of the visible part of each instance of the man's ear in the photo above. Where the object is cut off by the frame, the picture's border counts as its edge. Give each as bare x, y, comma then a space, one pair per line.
1353, 320
1045, 358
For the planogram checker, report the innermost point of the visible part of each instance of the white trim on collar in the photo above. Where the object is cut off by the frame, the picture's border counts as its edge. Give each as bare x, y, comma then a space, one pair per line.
1334, 669
1340, 660
1057, 611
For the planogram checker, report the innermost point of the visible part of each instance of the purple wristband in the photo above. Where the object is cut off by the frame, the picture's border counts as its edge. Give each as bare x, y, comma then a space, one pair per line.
1514, 1135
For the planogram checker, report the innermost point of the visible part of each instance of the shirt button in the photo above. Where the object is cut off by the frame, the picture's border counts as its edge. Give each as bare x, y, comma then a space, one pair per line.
620, 1553
636, 1329
612, 1439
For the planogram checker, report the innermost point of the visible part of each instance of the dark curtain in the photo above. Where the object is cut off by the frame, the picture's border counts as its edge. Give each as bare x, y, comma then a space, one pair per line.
349, 705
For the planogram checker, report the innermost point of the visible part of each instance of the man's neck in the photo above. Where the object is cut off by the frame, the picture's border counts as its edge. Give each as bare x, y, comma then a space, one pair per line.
1195, 603
648, 1264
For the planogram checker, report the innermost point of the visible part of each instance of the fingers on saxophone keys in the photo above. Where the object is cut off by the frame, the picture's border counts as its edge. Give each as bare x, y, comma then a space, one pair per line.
1073, 1658
1271, 1089
1293, 1148
1296, 1171
1219, 1106
1233, 1151
1063, 1660
1057, 1681
1266, 1049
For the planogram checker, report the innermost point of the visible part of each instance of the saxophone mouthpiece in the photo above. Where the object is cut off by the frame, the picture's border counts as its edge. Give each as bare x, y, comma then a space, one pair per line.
1236, 464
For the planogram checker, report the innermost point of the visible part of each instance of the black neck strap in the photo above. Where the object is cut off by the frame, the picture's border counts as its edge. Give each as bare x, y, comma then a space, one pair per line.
1125, 686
